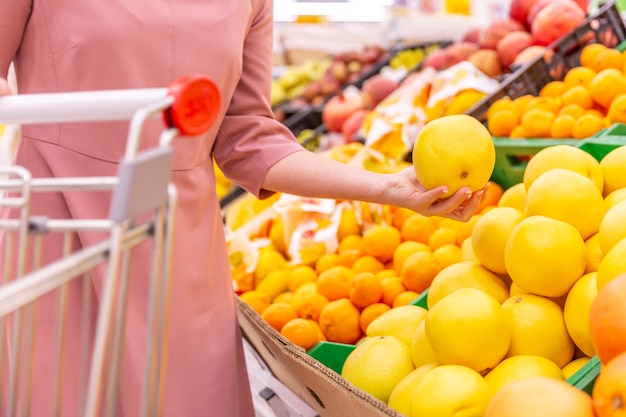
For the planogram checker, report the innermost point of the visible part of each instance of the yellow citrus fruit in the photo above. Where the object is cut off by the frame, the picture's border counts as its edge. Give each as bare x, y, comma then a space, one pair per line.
560, 193
339, 320
538, 328
576, 312
469, 327
400, 322
589, 53
257, 300
466, 274
606, 85
552, 89
300, 274
490, 235
579, 76
615, 197
578, 95
545, 256
278, 314
613, 263
594, 253
442, 236
514, 196
406, 249
419, 270
563, 126
537, 122
574, 366
587, 126
301, 332
521, 366
612, 227
613, 166
274, 283
269, 260
566, 157
421, 350
540, 396
448, 254
381, 241
377, 365
467, 251
402, 395
454, 151
446, 389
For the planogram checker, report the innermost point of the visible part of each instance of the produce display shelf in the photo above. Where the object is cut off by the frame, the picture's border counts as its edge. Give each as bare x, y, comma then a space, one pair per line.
606, 27
512, 154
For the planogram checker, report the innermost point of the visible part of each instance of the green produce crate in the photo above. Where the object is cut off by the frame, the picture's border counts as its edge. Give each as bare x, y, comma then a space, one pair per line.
605, 26
585, 378
512, 154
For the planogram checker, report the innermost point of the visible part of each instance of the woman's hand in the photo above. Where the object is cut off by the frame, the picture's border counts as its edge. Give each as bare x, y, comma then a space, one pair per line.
404, 190
5, 90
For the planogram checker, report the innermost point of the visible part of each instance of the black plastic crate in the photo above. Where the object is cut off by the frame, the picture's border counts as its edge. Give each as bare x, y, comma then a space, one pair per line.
606, 27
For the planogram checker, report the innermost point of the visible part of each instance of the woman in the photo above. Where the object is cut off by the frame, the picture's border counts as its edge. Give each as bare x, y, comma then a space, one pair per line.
74, 45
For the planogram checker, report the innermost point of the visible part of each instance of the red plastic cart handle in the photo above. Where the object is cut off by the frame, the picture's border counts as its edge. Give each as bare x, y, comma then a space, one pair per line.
196, 104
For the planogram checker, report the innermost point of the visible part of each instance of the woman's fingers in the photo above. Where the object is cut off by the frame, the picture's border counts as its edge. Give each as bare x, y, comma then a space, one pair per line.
5, 90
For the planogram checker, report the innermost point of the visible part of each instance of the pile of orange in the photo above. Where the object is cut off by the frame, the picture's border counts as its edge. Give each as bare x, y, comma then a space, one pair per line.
590, 97
383, 266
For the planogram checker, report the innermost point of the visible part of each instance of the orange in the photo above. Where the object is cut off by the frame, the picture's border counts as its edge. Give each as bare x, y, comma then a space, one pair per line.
381, 241
326, 261
392, 287
563, 126
448, 254
419, 270
442, 236
286, 297
607, 320
300, 274
552, 89
335, 282
494, 192
518, 132
386, 274
348, 257
308, 305
399, 215
351, 242
587, 126
521, 104
589, 54
551, 104
578, 95
606, 85
573, 110
404, 298
502, 122
500, 104
340, 322
609, 58
367, 263
609, 389
278, 314
301, 332
369, 313
581, 76
466, 228
617, 109
404, 250
366, 289
537, 122
418, 228
257, 300
539, 396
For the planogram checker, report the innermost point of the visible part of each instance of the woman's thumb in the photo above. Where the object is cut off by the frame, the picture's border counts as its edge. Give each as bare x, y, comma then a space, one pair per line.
4, 87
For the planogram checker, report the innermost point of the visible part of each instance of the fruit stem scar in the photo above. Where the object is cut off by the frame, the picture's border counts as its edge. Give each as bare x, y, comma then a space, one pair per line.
464, 174
617, 403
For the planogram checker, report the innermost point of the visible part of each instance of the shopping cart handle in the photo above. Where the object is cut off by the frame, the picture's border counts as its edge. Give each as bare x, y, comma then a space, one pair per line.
191, 104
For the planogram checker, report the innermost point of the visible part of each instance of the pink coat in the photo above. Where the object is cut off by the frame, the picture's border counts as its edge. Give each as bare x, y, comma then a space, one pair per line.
70, 45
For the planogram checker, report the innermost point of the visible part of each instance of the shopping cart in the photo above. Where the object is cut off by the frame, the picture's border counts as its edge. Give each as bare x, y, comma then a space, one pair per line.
142, 209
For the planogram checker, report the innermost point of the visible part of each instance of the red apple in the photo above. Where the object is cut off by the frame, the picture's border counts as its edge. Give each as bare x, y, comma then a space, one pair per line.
353, 124
338, 108
496, 31
487, 61
519, 9
556, 20
529, 54
473, 35
376, 88
511, 45
459, 52
436, 59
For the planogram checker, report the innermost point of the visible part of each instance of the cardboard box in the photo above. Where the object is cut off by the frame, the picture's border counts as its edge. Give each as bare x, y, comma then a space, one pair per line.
320, 387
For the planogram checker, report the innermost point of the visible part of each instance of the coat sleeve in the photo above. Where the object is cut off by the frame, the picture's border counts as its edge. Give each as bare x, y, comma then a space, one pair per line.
250, 140
13, 18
